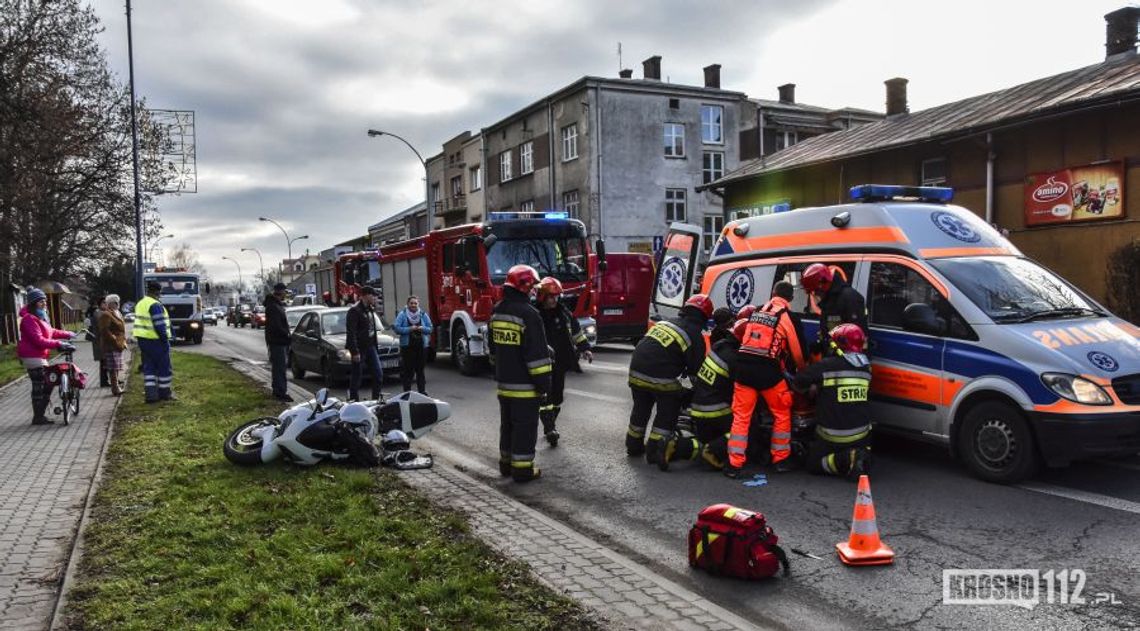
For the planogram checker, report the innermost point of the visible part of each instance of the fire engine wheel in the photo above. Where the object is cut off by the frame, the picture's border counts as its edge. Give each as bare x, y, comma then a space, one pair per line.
460, 353
996, 443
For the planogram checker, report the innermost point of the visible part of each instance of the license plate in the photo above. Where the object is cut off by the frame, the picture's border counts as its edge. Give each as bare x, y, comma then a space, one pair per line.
389, 363
617, 311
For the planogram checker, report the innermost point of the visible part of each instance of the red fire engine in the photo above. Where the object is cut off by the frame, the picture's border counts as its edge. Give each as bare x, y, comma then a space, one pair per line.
458, 273
353, 271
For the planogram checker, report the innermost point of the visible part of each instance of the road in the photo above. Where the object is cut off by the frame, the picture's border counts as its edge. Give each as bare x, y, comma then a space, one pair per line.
929, 509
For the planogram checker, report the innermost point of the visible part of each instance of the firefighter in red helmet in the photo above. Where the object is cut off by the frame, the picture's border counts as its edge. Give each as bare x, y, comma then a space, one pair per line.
522, 368
565, 337
839, 302
842, 441
670, 349
770, 348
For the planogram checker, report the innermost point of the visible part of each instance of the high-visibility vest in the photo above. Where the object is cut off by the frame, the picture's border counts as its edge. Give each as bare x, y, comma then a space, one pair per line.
144, 327
762, 336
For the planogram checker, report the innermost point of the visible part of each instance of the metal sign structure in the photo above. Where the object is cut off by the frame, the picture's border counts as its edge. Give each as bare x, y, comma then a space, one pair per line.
170, 152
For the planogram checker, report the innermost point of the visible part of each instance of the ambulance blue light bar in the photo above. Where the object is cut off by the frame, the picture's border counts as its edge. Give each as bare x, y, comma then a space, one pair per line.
889, 192
546, 214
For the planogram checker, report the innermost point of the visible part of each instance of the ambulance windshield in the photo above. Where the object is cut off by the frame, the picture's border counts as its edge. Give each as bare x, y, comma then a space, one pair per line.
1014, 290
562, 257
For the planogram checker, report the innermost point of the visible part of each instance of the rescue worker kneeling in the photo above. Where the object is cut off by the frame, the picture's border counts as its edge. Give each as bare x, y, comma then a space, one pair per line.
670, 349
771, 342
522, 367
842, 441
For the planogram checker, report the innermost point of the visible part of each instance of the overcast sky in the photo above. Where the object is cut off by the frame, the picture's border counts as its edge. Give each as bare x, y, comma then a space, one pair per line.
284, 90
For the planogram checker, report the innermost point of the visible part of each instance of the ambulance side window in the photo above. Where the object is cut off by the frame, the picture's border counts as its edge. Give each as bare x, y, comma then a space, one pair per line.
893, 287
800, 303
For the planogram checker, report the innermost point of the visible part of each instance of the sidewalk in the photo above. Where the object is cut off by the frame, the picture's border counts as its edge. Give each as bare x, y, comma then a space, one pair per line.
629, 595
45, 478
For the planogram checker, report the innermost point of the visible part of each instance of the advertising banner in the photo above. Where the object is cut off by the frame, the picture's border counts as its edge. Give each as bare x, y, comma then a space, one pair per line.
1083, 193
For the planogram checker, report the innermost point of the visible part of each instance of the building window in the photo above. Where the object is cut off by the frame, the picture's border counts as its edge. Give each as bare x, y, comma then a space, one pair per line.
569, 142
527, 206
434, 193
934, 172
713, 225
476, 178
505, 166
785, 139
674, 104
712, 125
712, 166
526, 158
457, 186
675, 204
571, 204
674, 140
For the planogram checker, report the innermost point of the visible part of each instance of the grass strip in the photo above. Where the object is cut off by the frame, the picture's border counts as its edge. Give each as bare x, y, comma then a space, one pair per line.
179, 538
10, 366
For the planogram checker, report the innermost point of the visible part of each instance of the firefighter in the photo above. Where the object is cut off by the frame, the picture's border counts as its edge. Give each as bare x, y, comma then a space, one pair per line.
565, 337
723, 320
522, 367
711, 409
842, 441
670, 349
771, 346
153, 334
838, 302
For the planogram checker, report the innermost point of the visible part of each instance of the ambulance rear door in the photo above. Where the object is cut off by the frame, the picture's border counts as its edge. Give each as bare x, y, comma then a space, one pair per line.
674, 282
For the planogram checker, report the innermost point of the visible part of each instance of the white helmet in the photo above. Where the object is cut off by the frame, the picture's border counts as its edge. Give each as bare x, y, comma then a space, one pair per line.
358, 414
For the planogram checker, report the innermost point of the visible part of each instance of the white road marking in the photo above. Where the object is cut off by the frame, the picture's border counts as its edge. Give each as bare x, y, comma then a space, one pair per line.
599, 397
1083, 496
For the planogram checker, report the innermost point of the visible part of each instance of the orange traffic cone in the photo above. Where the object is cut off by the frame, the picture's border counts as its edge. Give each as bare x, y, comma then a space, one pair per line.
863, 547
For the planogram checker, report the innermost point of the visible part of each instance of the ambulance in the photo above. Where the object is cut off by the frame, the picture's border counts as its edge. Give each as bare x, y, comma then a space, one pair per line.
973, 345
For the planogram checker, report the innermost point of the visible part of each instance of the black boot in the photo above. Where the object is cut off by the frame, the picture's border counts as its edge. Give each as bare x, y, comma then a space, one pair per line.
655, 452
38, 413
548, 417
634, 444
104, 382
525, 474
505, 467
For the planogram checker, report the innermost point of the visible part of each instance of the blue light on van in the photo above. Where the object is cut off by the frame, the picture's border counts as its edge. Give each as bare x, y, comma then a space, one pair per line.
557, 215
888, 192
545, 214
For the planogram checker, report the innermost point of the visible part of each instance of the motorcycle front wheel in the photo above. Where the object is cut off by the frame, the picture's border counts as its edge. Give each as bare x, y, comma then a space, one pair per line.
242, 447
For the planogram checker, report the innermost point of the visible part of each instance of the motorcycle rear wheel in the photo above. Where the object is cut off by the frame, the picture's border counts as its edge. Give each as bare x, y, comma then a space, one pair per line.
242, 447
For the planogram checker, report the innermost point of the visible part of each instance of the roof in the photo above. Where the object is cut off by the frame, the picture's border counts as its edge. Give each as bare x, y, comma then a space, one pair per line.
1100, 84
422, 206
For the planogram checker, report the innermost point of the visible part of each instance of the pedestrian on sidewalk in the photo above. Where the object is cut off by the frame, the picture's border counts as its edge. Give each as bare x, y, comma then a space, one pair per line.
277, 340
360, 340
37, 340
112, 338
92, 324
153, 334
414, 327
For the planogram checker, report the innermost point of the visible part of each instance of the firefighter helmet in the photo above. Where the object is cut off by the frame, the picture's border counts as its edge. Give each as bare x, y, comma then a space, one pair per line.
522, 278
849, 338
701, 302
745, 312
817, 278
549, 286
739, 328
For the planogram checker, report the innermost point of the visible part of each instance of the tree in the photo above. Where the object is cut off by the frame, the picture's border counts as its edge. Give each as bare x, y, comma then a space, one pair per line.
184, 257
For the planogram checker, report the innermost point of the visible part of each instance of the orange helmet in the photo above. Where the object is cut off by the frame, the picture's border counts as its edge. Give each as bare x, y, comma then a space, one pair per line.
849, 338
522, 278
817, 278
745, 312
549, 286
702, 302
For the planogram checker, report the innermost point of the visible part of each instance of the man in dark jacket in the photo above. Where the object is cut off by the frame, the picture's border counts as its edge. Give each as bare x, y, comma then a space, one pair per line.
522, 368
672, 348
565, 336
277, 340
360, 340
839, 302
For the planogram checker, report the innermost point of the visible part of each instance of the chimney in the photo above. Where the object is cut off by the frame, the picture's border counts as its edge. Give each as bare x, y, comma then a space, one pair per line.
1120, 31
626, 73
787, 93
651, 68
896, 96
712, 76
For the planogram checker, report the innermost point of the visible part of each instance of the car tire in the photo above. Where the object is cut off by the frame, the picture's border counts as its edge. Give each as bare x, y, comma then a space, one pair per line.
996, 444
197, 339
295, 366
463, 360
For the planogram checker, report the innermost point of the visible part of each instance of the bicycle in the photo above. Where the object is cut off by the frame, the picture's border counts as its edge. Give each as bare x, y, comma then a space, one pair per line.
69, 380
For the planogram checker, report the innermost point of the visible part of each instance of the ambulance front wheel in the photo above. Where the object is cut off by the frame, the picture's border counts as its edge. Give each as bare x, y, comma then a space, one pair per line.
996, 444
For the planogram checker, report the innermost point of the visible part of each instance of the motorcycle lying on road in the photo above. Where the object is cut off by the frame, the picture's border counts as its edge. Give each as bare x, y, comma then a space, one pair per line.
326, 428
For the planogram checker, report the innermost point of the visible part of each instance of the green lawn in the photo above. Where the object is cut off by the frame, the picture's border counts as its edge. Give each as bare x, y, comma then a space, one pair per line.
10, 366
181, 539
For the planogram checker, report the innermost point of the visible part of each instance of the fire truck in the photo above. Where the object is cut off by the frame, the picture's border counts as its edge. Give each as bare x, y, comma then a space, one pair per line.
353, 271
458, 274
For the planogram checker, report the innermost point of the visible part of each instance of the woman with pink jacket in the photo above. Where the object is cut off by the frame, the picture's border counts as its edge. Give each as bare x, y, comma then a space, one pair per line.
37, 340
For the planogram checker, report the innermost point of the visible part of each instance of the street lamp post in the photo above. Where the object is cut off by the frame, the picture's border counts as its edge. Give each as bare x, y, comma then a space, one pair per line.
373, 133
260, 264
155, 245
241, 283
288, 241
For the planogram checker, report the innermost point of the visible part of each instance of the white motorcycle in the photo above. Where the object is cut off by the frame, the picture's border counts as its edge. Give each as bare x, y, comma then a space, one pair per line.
326, 428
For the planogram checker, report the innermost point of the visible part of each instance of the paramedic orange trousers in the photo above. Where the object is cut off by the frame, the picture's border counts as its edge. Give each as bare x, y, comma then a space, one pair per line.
779, 401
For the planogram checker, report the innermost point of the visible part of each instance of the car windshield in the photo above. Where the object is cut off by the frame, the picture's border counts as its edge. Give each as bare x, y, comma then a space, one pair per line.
336, 323
1012, 290
176, 284
562, 258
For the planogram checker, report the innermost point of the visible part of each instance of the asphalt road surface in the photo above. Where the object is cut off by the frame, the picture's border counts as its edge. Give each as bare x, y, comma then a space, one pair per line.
937, 517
